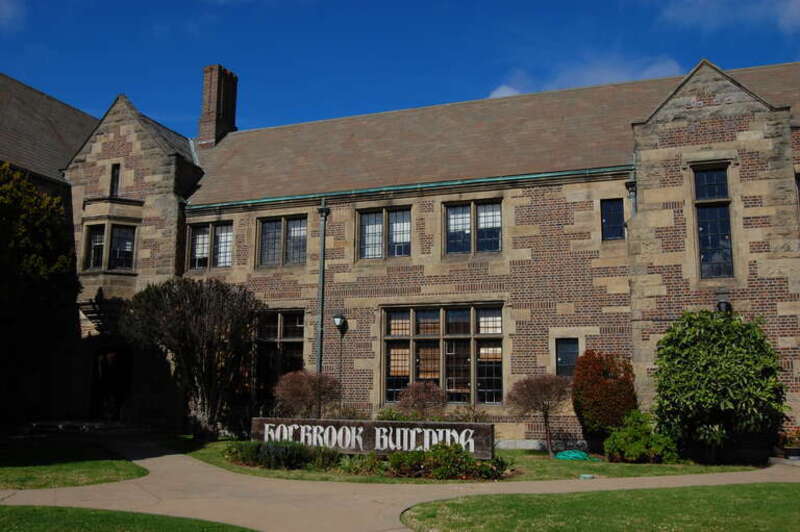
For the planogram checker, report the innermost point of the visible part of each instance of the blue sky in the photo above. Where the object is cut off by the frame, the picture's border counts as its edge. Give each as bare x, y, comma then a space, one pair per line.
301, 60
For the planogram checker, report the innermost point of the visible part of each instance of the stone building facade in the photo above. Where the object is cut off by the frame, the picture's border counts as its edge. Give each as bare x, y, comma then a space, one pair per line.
467, 244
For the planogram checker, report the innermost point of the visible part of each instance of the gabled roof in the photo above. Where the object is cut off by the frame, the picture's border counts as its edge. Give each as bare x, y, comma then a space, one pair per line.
37, 132
173, 142
552, 131
705, 63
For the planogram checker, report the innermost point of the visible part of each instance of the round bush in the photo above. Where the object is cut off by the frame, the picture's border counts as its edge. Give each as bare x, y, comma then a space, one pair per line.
717, 383
637, 441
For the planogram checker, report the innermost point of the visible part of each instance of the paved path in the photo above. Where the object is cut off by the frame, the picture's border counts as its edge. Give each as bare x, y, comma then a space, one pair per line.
182, 486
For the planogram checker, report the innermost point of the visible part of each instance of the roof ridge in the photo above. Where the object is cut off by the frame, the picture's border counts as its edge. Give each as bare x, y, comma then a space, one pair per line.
48, 96
487, 100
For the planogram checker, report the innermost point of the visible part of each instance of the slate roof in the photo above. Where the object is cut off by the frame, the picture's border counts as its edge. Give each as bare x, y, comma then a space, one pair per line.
172, 141
37, 132
561, 130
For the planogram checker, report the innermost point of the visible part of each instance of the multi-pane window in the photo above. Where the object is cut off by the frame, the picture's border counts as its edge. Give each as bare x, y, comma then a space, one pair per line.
485, 218
371, 235
283, 241
713, 223
94, 246
211, 241
199, 245
384, 233
458, 348
490, 371
488, 215
566, 356
114, 188
612, 214
280, 346
121, 256
400, 233
223, 245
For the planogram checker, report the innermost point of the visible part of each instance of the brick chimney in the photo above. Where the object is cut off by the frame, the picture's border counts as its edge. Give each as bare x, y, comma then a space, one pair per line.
218, 113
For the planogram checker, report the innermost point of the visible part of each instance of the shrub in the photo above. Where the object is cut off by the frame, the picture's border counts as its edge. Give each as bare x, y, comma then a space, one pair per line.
305, 394
717, 383
449, 462
407, 463
323, 458
638, 441
468, 414
363, 464
284, 455
243, 452
392, 414
424, 400
544, 394
602, 392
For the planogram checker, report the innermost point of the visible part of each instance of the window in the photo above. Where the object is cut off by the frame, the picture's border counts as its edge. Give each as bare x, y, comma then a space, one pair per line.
94, 247
713, 223
198, 258
223, 245
201, 248
384, 233
566, 356
464, 358
283, 241
612, 214
459, 221
114, 188
121, 257
280, 346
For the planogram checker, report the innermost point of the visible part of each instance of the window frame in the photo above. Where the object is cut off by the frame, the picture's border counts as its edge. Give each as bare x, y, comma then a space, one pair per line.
210, 265
132, 267
113, 189
283, 237
473, 226
712, 202
385, 232
473, 338
560, 340
603, 226
280, 342
88, 262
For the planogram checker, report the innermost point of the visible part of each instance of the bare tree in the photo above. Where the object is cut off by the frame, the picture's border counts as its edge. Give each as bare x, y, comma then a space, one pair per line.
208, 329
305, 394
422, 400
540, 394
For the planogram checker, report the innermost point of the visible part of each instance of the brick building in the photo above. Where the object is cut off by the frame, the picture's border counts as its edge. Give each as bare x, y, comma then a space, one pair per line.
473, 243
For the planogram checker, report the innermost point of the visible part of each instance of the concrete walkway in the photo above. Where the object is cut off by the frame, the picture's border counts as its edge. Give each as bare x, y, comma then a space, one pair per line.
181, 486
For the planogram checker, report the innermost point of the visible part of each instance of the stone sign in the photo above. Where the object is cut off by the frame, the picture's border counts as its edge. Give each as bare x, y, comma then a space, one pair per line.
382, 437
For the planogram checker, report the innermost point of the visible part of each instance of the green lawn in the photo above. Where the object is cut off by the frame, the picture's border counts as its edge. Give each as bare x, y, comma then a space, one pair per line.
772, 507
527, 466
59, 462
45, 518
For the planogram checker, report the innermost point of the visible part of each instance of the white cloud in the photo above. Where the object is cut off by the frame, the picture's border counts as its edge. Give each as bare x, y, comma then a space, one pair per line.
593, 70
501, 91
12, 12
717, 14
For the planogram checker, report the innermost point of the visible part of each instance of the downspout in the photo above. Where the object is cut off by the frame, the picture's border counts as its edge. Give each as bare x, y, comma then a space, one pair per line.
323, 217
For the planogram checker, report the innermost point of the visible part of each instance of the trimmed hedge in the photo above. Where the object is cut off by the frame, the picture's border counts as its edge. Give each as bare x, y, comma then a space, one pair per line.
441, 462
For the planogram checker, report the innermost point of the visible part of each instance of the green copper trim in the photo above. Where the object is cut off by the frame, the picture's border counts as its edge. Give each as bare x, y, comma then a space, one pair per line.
419, 186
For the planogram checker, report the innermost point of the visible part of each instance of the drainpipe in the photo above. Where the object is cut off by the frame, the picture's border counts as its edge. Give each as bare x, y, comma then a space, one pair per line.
323, 217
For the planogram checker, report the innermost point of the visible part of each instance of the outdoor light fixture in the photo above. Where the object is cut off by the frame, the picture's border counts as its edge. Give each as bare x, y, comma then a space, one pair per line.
340, 322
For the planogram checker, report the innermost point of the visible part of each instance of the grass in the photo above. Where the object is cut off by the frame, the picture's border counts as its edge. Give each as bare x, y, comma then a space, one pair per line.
770, 507
45, 518
527, 465
60, 462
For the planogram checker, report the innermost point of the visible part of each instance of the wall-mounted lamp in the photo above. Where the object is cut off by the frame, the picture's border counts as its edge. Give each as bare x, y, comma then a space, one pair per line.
340, 322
